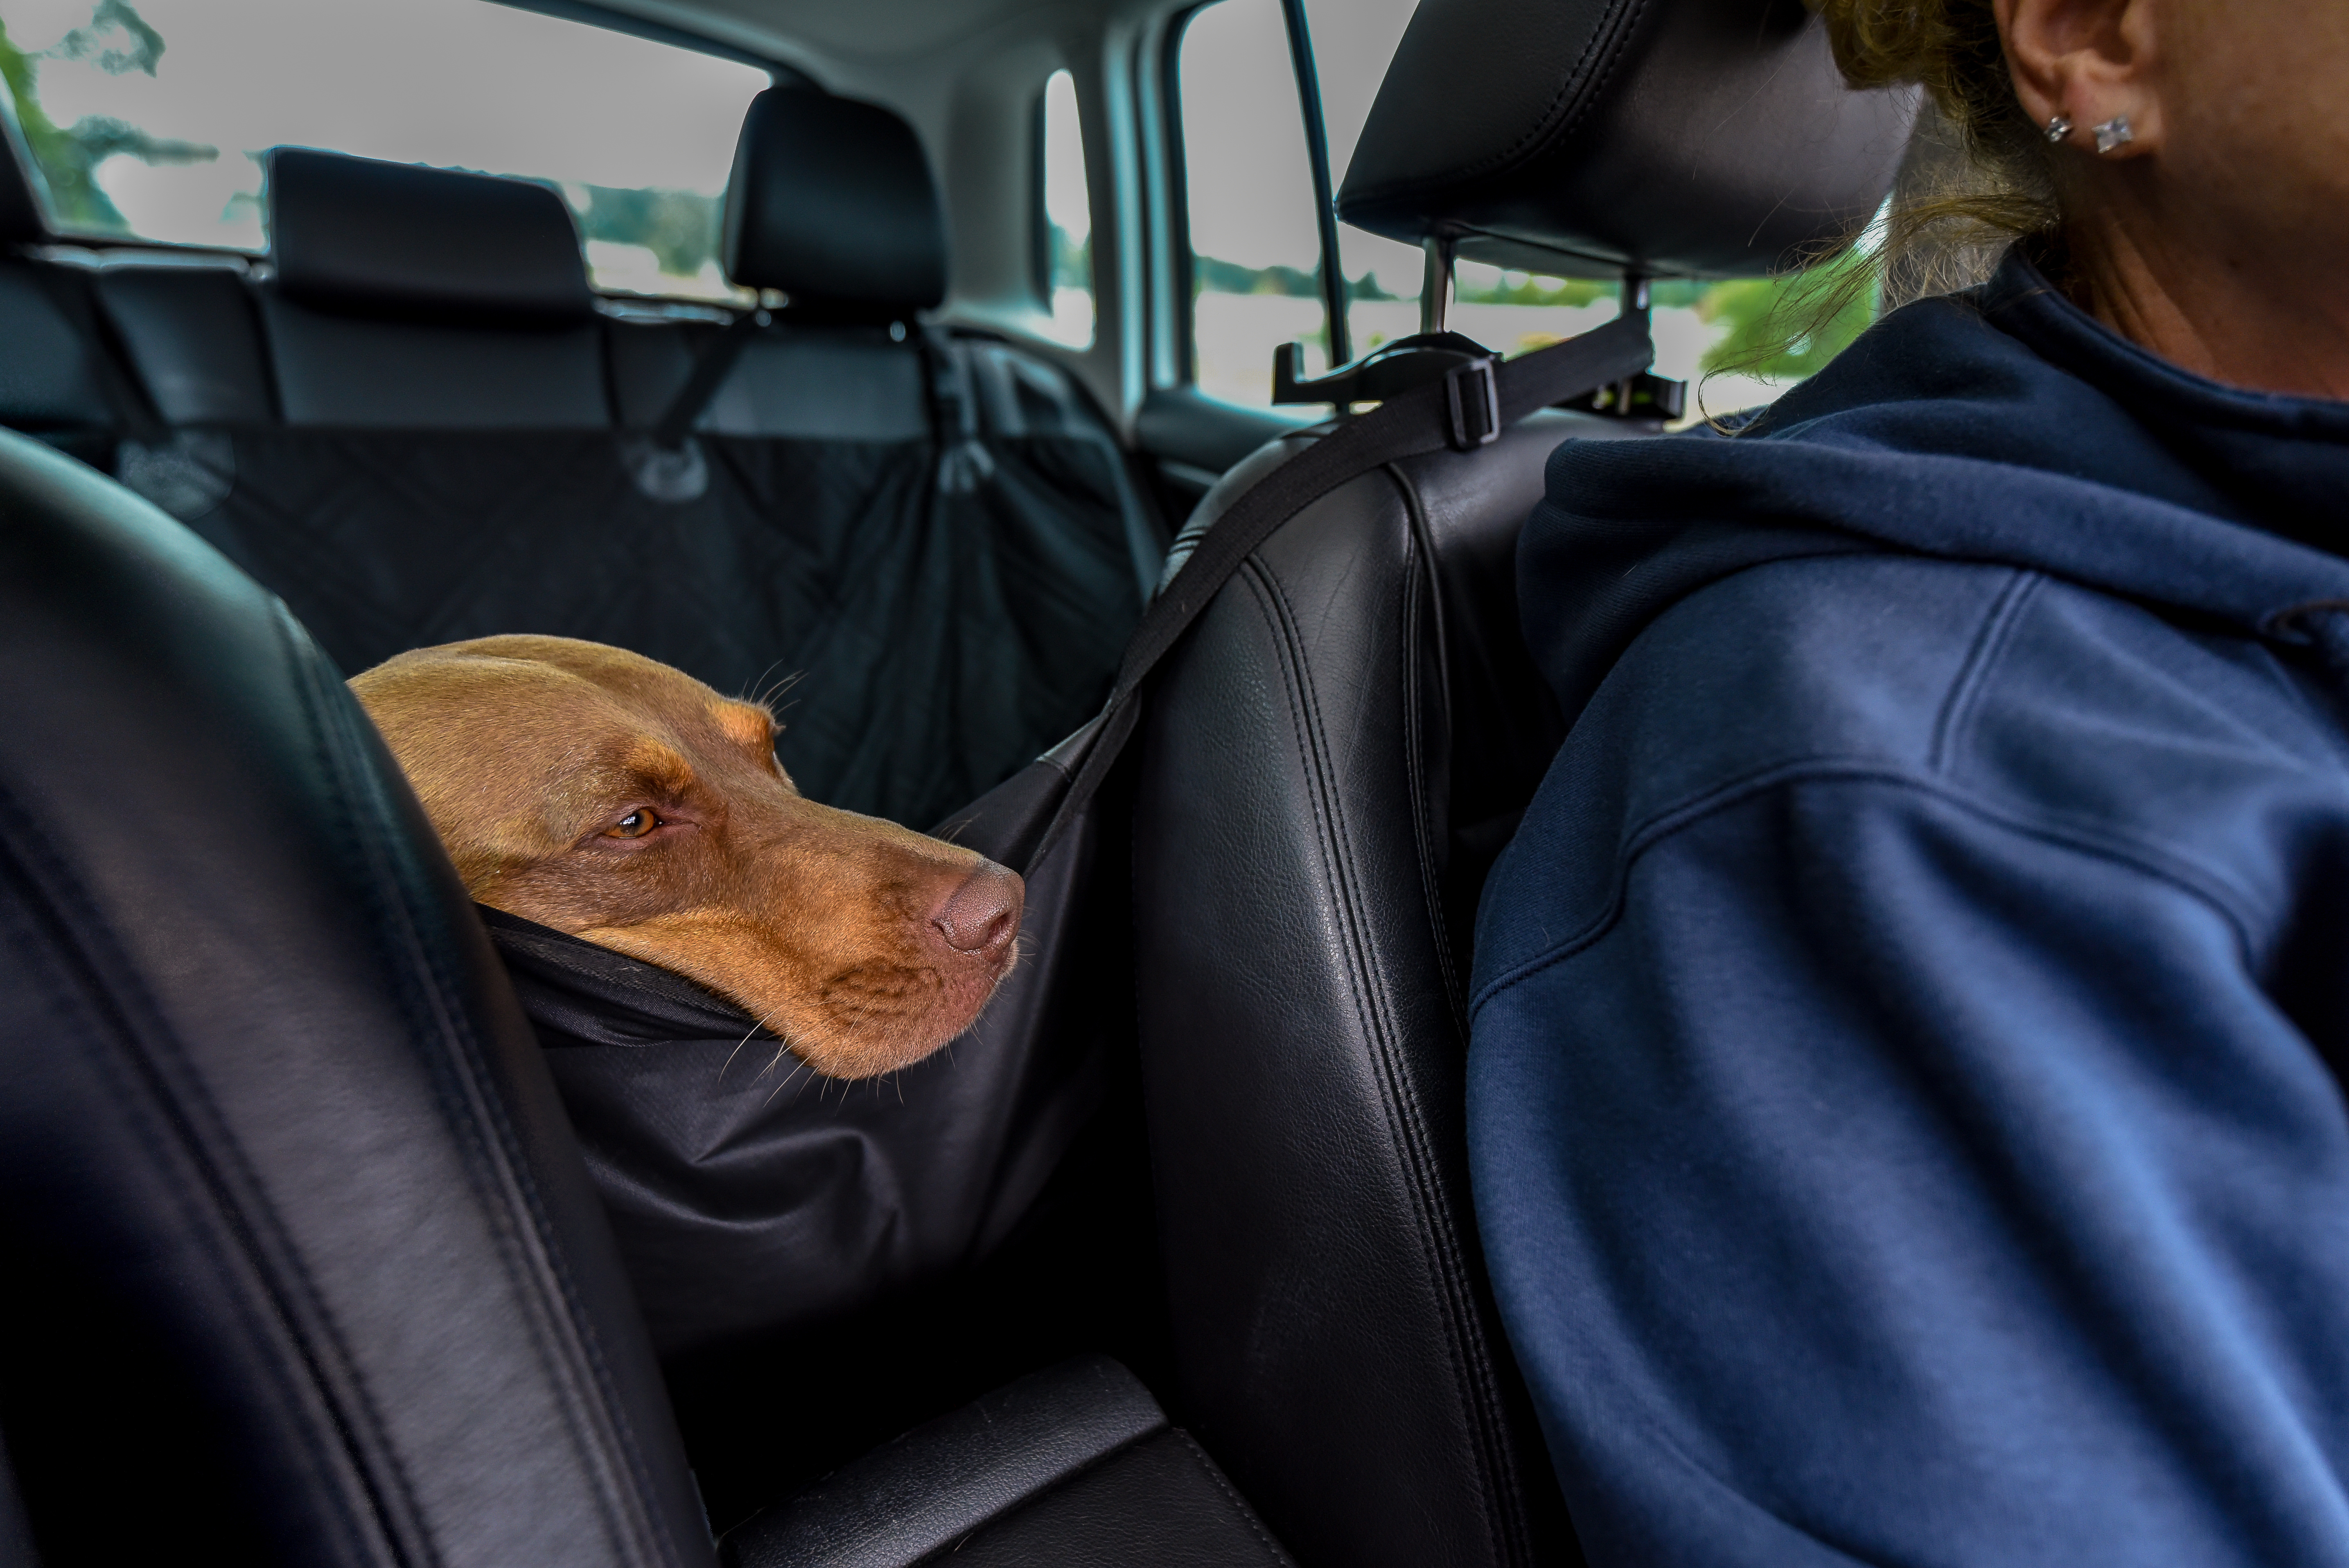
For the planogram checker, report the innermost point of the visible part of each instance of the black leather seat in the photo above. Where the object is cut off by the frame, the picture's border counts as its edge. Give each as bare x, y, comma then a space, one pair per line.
1332, 760
304, 1268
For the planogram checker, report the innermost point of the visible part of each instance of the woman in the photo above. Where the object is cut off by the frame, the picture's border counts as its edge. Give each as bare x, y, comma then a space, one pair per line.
1905, 1079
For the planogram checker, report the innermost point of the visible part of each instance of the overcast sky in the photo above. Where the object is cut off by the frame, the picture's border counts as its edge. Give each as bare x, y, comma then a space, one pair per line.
467, 83
448, 82
1251, 193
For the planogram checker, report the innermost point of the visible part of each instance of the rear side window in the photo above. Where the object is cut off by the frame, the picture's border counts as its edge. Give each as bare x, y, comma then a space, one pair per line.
1065, 240
150, 119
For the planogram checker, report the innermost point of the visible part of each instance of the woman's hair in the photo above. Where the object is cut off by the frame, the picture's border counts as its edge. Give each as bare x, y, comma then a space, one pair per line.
2000, 186
1978, 178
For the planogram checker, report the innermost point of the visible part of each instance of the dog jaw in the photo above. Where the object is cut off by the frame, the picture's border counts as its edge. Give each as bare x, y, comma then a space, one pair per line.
623, 802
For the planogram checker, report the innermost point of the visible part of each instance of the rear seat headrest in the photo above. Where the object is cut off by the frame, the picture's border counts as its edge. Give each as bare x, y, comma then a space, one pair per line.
831, 201
356, 236
1673, 138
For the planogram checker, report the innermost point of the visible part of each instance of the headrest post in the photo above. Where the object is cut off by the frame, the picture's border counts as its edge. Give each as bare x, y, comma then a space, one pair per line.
1635, 294
1435, 283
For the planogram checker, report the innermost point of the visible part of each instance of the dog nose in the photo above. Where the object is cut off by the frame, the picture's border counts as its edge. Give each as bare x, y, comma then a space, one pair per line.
983, 913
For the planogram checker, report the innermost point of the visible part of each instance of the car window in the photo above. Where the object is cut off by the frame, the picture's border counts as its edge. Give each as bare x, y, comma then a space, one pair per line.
1255, 257
1065, 250
150, 117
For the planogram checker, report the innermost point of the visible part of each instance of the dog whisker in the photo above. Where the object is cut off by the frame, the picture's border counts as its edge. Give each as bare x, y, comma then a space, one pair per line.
739, 1044
785, 1085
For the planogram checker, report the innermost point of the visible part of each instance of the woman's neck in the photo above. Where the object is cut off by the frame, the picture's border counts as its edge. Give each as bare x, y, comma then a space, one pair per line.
2266, 316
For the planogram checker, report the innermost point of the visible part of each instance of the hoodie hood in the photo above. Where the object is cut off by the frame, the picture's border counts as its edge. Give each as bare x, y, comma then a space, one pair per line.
2001, 426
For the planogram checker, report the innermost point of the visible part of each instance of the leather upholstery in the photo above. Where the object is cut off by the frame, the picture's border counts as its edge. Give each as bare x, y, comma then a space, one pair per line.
1673, 138
1305, 869
939, 1483
1074, 1466
320, 1278
430, 244
1333, 760
831, 200
1161, 1502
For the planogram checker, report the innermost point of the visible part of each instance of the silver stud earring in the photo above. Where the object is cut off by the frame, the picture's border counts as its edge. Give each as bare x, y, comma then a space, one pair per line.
2114, 132
2059, 128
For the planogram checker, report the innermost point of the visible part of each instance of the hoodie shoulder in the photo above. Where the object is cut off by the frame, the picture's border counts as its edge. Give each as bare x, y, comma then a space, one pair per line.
2042, 705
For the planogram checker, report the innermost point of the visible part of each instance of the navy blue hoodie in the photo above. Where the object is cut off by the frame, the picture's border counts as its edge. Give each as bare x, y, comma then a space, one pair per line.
1905, 1095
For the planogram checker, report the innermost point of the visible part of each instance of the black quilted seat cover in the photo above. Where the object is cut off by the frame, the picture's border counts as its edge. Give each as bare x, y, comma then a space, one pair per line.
922, 644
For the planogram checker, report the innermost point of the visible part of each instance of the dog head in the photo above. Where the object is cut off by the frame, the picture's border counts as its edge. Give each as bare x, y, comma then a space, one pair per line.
625, 803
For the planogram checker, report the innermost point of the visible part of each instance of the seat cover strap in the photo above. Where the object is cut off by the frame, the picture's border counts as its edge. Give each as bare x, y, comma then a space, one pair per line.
1426, 419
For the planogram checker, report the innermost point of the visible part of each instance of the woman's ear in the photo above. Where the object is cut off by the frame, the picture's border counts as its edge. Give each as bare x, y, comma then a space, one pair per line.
2088, 62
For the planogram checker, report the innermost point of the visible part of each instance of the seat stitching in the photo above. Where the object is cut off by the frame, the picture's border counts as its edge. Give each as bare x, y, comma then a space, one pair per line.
1239, 1505
1406, 1124
499, 1170
219, 1163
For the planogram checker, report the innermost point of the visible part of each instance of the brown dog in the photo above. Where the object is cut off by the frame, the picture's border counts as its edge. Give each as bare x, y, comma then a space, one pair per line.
623, 801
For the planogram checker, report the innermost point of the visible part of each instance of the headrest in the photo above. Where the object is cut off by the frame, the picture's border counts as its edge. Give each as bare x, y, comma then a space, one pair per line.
1672, 138
20, 210
359, 237
831, 201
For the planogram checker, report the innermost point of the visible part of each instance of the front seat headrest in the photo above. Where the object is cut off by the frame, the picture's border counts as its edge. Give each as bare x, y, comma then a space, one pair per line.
831, 201
358, 237
1668, 137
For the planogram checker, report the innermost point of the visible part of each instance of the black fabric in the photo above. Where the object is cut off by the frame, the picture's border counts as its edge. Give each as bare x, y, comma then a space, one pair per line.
925, 645
831, 200
928, 1487
751, 1199
352, 234
303, 1263
1684, 137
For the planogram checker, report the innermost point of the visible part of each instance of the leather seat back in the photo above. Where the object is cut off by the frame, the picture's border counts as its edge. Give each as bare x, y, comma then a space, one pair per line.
304, 1264
1330, 763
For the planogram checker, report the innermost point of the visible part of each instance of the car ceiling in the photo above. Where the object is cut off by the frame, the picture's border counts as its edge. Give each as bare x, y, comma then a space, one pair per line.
869, 32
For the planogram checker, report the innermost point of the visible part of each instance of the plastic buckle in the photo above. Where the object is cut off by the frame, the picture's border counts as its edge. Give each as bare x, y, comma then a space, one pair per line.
1474, 399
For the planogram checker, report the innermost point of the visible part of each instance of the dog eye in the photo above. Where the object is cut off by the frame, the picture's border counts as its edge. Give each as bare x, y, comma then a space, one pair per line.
635, 825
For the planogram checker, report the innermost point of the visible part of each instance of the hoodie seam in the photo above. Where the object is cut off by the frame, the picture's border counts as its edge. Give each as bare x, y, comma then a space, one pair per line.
2147, 860
1954, 729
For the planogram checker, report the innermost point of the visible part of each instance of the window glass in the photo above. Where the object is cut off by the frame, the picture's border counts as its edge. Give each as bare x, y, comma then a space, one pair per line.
150, 117
1353, 42
1067, 273
1255, 257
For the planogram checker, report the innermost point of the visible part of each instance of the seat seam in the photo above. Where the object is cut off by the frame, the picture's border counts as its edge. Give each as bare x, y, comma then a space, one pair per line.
1439, 1246
1239, 1505
472, 1113
217, 1159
